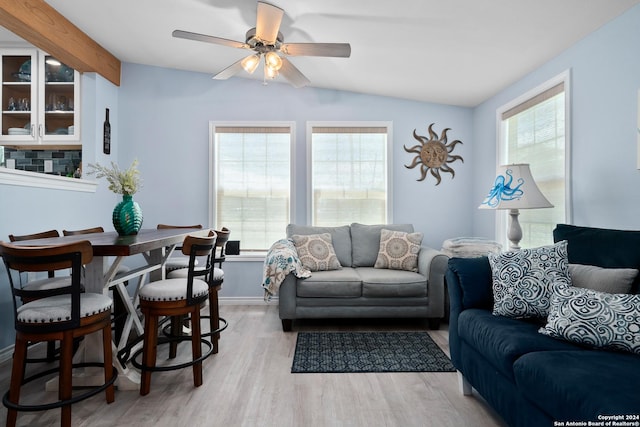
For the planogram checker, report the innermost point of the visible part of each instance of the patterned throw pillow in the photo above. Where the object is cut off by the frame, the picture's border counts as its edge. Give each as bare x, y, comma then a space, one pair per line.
595, 318
316, 252
398, 250
523, 280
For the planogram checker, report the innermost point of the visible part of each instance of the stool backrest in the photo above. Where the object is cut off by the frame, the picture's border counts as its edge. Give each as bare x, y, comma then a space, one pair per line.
221, 242
163, 226
41, 235
83, 231
198, 246
48, 258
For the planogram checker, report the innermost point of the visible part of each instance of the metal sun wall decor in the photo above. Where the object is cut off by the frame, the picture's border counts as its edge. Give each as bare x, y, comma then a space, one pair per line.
434, 154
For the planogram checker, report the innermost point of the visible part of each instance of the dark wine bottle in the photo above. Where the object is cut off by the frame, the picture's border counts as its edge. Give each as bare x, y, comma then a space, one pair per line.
106, 143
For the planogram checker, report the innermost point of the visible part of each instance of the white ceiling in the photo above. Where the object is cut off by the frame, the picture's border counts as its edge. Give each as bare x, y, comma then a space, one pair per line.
458, 52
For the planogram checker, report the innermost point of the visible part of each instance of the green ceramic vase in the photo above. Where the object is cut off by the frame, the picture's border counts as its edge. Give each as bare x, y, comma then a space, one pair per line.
127, 216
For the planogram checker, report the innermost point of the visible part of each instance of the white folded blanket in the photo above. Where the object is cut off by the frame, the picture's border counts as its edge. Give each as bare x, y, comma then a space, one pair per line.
467, 247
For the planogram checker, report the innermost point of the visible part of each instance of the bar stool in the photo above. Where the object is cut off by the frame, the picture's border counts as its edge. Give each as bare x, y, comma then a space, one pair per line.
40, 288
217, 324
176, 262
62, 317
176, 298
50, 285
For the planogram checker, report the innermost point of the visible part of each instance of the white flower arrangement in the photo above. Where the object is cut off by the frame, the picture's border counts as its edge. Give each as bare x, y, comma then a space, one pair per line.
125, 182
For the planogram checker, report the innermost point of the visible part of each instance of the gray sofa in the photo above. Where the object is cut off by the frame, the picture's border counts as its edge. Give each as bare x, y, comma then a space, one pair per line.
358, 290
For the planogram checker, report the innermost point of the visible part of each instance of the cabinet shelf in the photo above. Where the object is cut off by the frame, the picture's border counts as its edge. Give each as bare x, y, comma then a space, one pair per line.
48, 104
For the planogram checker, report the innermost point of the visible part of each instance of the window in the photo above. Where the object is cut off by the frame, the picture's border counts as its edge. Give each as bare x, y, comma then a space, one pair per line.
251, 177
349, 173
535, 129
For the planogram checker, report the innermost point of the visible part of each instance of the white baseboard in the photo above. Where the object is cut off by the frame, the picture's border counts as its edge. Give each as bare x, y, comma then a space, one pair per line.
246, 301
6, 353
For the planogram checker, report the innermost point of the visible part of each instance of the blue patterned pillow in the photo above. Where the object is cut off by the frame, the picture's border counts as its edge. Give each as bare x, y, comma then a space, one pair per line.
523, 280
595, 318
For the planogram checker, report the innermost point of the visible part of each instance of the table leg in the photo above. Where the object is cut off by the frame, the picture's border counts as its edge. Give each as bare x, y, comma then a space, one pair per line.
89, 351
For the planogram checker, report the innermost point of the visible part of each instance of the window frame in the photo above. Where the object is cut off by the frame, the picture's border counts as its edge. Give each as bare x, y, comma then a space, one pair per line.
502, 217
254, 254
350, 124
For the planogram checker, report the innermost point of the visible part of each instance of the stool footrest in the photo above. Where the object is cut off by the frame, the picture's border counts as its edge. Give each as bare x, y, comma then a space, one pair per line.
217, 331
167, 340
60, 403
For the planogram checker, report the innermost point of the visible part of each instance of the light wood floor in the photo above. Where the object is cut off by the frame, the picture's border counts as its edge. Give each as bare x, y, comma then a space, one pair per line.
249, 383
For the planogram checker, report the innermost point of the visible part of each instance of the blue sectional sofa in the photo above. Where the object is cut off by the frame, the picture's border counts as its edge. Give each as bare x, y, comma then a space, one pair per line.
529, 378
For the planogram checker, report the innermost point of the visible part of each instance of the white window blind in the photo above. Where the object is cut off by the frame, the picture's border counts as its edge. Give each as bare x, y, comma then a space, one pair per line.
349, 175
534, 132
253, 183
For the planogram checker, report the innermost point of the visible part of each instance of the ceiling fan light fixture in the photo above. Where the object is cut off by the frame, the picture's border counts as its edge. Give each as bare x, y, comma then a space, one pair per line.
250, 63
273, 60
265, 39
270, 73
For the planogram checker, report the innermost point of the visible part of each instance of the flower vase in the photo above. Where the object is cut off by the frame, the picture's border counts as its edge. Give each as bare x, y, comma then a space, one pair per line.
127, 216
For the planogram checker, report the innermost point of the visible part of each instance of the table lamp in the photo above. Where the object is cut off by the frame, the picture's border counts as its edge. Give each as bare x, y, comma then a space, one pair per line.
514, 189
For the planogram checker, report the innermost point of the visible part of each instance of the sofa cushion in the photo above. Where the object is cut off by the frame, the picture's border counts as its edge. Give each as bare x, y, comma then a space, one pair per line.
523, 280
365, 242
594, 318
335, 283
474, 279
611, 280
398, 250
340, 238
580, 385
316, 251
601, 247
377, 283
503, 340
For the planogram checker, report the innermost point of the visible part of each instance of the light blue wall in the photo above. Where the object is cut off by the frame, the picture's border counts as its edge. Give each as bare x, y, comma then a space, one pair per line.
25, 210
161, 117
605, 79
164, 122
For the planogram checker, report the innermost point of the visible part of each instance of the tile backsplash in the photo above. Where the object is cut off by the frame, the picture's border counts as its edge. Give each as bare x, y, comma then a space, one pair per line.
64, 162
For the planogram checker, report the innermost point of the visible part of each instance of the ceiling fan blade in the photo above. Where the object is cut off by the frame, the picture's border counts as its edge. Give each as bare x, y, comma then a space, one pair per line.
292, 74
268, 22
208, 39
230, 71
340, 50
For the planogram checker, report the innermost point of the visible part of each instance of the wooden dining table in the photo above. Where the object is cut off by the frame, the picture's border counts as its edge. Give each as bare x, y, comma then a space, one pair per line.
109, 251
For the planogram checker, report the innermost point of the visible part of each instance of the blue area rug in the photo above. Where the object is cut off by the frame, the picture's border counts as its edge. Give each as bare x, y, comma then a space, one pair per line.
341, 352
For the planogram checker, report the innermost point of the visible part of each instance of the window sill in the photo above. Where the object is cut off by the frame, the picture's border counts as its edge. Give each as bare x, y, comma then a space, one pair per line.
247, 257
32, 179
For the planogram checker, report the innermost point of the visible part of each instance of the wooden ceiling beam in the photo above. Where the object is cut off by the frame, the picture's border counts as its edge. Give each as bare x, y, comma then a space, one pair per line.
41, 25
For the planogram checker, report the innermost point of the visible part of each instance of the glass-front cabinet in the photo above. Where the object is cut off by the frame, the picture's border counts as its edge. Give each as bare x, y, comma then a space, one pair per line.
40, 99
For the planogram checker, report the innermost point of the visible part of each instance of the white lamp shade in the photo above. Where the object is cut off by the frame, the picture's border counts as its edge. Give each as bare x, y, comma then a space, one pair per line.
514, 188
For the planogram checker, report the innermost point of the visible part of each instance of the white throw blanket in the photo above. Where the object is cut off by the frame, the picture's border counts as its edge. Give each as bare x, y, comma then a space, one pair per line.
281, 260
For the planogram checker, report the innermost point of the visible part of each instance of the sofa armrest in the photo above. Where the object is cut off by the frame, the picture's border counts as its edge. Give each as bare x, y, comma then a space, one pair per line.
287, 297
469, 286
433, 265
470, 283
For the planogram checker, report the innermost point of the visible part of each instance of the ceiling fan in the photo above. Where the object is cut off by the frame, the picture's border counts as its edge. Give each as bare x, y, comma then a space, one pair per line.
266, 41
